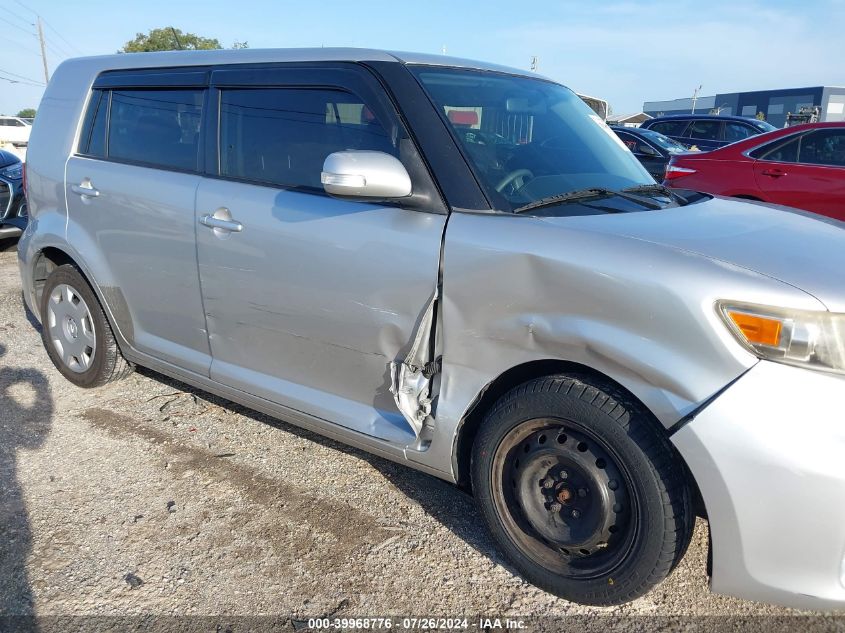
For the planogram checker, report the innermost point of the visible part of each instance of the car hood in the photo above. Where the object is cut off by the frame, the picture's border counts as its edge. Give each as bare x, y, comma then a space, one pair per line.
8, 158
796, 247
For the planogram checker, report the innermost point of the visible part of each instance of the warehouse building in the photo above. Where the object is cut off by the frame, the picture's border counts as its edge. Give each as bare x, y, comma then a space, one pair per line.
774, 104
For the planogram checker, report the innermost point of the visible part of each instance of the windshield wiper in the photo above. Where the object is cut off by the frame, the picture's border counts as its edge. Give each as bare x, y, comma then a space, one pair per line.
658, 189
584, 194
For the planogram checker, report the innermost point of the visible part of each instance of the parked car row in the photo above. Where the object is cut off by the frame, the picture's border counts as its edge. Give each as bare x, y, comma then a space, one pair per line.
651, 148
801, 166
707, 131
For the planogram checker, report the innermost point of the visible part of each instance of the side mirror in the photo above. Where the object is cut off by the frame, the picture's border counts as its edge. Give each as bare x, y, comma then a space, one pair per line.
648, 150
365, 174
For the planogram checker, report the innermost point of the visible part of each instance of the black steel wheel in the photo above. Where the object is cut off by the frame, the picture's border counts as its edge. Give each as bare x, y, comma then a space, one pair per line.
582, 490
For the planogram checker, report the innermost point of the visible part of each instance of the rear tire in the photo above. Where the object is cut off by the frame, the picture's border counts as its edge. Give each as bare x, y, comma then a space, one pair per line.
76, 333
582, 490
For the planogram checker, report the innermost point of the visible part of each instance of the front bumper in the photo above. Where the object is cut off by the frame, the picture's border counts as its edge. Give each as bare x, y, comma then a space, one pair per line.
11, 198
769, 458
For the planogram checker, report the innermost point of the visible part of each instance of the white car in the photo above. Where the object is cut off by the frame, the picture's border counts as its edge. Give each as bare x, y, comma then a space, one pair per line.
14, 130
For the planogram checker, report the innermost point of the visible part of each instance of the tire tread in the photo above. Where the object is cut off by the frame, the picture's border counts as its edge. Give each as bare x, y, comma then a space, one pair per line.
114, 366
649, 436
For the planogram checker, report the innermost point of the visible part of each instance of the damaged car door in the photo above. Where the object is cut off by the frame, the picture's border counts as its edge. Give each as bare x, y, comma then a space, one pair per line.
314, 301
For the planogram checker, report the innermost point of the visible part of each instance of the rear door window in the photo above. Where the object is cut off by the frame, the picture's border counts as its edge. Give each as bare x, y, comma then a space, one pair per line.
637, 145
156, 127
823, 147
92, 140
704, 130
629, 141
282, 136
738, 131
779, 151
670, 128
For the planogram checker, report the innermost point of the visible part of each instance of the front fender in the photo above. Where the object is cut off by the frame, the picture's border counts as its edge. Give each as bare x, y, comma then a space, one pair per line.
523, 289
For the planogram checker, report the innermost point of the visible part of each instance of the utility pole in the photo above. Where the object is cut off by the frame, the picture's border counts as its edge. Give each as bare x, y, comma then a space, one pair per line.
43, 50
695, 98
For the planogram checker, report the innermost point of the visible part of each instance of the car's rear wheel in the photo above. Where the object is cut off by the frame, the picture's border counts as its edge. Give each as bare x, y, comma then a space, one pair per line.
582, 490
76, 333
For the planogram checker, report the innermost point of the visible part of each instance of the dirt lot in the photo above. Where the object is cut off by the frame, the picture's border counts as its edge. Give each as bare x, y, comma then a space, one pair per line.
149, 497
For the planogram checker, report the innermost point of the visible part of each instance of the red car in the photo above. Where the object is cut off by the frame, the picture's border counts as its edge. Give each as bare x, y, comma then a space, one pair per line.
801, 166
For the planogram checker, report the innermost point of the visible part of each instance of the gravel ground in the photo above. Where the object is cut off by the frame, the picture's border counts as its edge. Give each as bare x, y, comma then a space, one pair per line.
150, 497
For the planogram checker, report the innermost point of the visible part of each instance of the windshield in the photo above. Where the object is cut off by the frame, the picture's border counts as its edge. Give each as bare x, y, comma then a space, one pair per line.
663, 142
529, 139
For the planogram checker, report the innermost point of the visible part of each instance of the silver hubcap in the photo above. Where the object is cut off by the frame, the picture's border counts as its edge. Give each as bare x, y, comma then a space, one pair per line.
71, 328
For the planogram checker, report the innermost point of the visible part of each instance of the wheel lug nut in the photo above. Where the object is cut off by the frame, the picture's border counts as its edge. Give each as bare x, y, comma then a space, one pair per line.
548, 482
576, 514
564, 474
555, 507
582, 492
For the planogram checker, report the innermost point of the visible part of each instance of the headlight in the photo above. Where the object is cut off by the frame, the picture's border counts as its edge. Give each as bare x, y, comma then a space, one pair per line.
815, 340
15, 172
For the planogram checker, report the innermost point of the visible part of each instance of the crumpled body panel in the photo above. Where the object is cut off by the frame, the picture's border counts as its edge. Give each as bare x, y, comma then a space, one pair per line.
520, 289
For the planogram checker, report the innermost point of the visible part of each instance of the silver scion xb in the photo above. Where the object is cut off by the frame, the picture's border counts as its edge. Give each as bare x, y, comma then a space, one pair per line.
459, 267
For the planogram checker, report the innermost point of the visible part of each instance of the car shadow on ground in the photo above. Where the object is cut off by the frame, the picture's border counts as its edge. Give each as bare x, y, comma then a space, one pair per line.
26, 415
8, 244
447, 504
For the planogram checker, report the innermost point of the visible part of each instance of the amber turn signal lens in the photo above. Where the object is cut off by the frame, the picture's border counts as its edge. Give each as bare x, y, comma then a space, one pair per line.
756, 329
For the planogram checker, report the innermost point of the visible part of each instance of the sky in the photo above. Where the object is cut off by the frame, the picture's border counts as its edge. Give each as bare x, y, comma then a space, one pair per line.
623, 51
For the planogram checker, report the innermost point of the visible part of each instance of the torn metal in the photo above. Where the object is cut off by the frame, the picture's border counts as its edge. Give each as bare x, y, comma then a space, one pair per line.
410, 379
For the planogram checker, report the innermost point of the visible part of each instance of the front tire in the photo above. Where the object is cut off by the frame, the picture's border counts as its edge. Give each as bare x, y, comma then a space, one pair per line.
582, 490
76, 333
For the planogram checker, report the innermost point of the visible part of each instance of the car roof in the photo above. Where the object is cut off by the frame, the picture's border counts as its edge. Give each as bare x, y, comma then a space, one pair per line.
633, 130
630, 130
718, 117
813, 126
279, 55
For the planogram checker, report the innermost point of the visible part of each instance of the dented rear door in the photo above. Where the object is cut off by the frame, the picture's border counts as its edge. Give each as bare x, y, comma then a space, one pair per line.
313, 300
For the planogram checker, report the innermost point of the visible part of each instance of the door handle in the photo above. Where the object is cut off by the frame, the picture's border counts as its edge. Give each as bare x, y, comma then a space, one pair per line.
774, 173
84, 190
211, 222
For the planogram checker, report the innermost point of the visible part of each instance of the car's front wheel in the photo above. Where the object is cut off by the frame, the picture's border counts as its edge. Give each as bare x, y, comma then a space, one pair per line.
76, 333
581, 489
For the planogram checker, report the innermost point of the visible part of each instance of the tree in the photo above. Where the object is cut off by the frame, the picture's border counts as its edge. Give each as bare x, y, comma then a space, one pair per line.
240, 45
169, 39
27, 113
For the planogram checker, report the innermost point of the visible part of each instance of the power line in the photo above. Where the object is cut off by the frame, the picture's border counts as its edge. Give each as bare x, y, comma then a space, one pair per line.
7, 72
20, 28
58, 52
8, 40
19, 82
25, 7
22, 82
16, 16
59, 47
72, 47
62, 37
